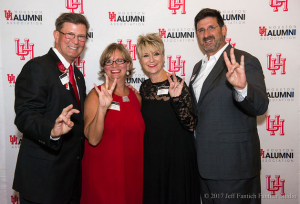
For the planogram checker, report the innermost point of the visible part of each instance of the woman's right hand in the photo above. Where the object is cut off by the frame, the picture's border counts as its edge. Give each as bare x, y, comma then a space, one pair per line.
132, 88
105, 94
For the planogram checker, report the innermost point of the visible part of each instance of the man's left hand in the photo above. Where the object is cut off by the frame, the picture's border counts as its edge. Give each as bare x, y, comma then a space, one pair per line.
63, 123
236, 72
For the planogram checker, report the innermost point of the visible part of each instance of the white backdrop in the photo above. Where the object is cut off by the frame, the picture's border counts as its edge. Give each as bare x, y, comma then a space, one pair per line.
264, 28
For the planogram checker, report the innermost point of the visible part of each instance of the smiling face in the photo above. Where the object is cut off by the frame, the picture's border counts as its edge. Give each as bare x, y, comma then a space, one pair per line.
210, 35
116, 70
152, 61
70, 49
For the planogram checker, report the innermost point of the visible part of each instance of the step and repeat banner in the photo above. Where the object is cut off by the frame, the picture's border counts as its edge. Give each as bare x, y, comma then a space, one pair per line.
265, 28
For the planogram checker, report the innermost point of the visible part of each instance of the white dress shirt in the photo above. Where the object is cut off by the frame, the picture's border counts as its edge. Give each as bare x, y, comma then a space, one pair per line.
206, 67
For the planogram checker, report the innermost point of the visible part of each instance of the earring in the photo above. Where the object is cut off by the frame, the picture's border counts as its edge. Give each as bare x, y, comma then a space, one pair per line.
127, 72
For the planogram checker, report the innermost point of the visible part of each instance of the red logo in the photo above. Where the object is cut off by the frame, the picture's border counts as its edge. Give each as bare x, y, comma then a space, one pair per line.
23, 49
274, 185
174, 5
162, 33
112, 16
274, 64
13, 140
130, 47
74, 4
11, 78
229, 41
80, 65
14, 199
278, 3
262, 31
262, 153
8, 15
273, 125
176, 65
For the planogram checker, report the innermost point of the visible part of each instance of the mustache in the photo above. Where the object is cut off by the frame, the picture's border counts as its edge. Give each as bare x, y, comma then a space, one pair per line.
208, 38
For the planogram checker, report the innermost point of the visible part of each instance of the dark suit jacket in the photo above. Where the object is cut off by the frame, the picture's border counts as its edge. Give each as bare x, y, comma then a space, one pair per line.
227, 141
46, 169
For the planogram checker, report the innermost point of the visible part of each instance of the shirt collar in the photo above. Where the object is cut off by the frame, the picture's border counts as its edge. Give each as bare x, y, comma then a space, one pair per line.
215, 56
61, 58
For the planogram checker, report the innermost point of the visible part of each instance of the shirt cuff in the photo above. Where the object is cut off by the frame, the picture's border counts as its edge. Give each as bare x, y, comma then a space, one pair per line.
240, 95
54, 138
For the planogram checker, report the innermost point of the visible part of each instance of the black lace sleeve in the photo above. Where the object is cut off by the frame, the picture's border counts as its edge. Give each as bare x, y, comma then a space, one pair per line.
184, 109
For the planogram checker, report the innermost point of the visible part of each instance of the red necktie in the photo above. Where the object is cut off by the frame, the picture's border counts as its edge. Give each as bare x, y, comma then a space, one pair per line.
72, 81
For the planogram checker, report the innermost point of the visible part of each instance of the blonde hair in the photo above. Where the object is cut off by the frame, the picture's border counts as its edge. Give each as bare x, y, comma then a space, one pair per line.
109, 50
150, 42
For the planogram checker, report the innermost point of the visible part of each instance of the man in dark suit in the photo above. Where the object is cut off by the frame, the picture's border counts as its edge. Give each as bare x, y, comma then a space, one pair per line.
228, 94
48, 91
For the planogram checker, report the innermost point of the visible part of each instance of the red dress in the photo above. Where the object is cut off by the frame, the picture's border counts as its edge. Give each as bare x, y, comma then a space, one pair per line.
112, 171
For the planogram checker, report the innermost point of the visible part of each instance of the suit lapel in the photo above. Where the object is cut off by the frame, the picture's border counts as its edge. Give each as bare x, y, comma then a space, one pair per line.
193, 78
213, 75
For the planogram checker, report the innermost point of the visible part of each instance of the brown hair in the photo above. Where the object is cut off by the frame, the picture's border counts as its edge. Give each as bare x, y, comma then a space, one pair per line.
74, 18
208, 12
109, 50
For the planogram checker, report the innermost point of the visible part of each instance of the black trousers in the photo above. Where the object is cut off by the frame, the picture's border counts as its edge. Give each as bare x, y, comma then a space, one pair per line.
240, 191
76, 194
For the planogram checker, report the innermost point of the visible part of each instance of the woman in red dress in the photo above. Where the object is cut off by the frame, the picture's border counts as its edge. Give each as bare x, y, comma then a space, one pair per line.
112, 165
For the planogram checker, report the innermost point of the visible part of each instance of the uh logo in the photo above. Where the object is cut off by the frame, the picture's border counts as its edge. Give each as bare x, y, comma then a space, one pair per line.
14, 199
279, 3
112, 16
80, 65
11, 78
274, 64
14, 141
162, 32
130, 47
273, 125
8, 15
23, 49
262, 31
231, 43
174, 5
176, 65
274, 185
75, 4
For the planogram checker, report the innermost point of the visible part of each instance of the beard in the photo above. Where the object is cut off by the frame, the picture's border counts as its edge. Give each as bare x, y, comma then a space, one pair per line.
214, 47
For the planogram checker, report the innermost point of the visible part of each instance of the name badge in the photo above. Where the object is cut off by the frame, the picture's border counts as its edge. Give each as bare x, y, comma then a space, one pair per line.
163, 90
114, 106
64, 78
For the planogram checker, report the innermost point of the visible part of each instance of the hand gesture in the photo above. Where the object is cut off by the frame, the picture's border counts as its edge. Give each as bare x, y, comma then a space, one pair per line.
175, 87
105, 94
63, 123
132, 88
236, 72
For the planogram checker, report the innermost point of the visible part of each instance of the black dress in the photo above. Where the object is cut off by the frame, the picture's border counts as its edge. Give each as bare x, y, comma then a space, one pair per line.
170, 166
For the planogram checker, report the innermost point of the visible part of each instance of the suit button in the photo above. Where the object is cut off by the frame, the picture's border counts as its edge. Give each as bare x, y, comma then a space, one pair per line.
78, 157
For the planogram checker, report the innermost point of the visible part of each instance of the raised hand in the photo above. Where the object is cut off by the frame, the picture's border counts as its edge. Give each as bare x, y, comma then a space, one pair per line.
236, 72
63, 123
175, 87
105, 94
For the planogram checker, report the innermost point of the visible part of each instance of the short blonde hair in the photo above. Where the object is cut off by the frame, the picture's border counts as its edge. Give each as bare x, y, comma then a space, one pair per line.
150, 42
107, 53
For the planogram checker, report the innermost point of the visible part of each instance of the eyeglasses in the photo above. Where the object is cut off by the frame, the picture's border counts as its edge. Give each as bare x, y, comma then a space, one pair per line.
117, 61
209, 29
71, 36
